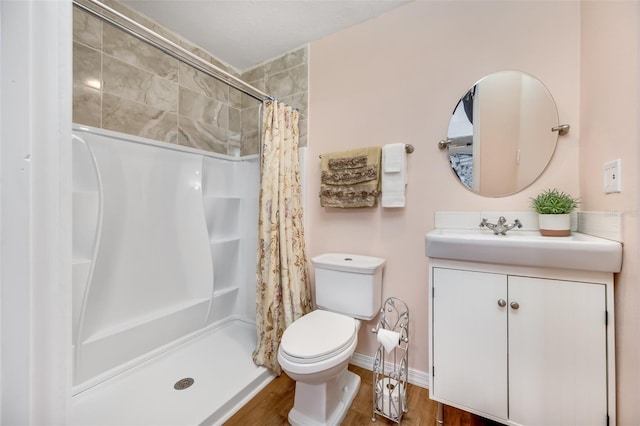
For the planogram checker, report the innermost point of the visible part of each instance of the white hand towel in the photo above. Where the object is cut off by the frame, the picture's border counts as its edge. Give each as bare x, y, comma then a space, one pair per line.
394, 175
393, 157
389, 339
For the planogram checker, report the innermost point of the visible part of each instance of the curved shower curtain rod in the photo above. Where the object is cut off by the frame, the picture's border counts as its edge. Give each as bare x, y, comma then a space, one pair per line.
138, 30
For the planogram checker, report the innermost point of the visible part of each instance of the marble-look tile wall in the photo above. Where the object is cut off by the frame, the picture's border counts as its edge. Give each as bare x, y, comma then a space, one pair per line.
285, 78
126, 85
121, 83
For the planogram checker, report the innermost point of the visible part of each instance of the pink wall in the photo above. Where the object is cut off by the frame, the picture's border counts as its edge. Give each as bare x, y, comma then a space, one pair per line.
498, 169
609, 111
397, 79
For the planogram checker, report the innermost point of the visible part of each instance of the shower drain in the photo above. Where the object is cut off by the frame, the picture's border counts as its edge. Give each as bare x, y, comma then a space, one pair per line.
183, 383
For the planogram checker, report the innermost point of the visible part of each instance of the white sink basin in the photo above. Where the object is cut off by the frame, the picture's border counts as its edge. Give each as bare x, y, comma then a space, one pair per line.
526, 248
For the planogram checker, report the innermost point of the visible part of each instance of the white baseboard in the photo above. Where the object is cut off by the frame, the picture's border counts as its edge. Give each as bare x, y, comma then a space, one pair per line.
415, 377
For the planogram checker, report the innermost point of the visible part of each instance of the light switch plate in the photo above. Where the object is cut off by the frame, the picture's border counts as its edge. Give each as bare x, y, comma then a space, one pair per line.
612, 176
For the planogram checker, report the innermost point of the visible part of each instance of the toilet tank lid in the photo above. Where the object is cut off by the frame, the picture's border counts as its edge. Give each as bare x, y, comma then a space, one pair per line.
348, 262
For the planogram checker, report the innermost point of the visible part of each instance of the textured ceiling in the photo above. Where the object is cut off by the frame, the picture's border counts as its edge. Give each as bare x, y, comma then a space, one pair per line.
244, 33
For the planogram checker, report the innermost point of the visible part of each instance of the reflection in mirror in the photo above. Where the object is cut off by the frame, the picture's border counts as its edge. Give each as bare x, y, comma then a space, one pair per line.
500, 133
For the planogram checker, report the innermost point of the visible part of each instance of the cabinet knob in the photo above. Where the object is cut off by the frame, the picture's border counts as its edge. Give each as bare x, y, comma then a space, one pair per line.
515, 305
502, 303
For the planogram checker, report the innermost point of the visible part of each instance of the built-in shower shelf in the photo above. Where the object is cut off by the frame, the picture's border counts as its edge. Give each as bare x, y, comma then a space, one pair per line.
218, 240
80, 262
192, 304
214, 198
225, 254
222, 214
226, 291
223, 303
85, 192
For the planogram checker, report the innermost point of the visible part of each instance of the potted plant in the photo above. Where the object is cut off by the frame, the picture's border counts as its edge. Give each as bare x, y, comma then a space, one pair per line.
554, 208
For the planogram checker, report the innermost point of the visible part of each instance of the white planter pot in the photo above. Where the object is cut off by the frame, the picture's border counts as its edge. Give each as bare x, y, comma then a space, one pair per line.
555, 225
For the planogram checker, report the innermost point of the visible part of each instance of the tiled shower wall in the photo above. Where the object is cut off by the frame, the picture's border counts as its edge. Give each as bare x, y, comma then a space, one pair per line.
285, 78
125, 85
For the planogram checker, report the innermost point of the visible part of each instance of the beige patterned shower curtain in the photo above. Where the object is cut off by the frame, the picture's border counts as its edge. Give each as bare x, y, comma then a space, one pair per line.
282, 280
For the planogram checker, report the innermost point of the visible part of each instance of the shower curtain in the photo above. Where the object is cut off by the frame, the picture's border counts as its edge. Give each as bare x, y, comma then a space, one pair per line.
283, 291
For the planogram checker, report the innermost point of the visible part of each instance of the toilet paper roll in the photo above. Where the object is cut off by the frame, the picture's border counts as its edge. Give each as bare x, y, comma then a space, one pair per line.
389, 392
389, 339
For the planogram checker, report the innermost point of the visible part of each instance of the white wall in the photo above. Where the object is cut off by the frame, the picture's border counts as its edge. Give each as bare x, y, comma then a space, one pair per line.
35, 209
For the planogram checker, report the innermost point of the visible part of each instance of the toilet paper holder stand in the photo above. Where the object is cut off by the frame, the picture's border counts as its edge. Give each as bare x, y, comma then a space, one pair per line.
390, 364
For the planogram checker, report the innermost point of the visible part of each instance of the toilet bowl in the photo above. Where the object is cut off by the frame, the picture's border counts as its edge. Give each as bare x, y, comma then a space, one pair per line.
315, 352
316, 349
317, 342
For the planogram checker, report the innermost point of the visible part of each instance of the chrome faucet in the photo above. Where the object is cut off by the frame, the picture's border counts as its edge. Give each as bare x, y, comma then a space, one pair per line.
501, 227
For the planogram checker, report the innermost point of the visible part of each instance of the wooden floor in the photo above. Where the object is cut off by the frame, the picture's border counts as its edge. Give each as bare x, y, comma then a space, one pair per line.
271, 406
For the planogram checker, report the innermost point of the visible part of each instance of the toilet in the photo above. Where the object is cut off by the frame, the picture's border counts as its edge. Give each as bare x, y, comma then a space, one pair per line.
316, 349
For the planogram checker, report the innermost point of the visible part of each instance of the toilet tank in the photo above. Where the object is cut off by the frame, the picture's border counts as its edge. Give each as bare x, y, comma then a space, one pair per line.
349, 284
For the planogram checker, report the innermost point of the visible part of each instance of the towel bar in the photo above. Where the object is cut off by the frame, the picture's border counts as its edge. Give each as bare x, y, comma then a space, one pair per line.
408, 148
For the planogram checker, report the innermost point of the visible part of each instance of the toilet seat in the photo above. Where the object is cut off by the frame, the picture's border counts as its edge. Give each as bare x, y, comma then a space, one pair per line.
318, 336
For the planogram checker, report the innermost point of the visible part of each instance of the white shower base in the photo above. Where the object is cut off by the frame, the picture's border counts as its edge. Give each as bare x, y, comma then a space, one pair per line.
220, 364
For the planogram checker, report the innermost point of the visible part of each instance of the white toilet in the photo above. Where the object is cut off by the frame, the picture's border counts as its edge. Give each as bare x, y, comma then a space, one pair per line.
315, 350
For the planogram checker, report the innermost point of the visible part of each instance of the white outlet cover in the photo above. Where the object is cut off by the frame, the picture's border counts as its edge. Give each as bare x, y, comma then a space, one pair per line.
612, 176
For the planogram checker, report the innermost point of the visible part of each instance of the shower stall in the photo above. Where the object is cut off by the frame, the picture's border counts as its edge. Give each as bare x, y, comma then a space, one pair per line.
164, 258
164, 246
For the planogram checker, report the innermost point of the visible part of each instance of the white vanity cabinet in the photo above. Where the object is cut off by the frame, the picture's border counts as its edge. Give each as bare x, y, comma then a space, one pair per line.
522, 345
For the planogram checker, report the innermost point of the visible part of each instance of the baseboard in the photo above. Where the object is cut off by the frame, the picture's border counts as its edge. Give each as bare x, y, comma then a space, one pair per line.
415, 377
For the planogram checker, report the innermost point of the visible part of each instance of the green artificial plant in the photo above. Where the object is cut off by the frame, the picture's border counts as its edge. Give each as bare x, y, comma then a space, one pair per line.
553, 201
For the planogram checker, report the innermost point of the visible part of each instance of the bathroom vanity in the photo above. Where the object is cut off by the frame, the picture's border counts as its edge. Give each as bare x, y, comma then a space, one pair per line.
521, 326
516, 338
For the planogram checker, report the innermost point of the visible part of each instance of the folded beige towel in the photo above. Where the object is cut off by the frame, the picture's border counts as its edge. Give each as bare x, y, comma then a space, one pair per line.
342, 163
351, 159
351, 178
348, 196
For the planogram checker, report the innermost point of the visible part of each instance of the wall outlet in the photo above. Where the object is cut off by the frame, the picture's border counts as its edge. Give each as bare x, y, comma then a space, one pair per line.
612, 177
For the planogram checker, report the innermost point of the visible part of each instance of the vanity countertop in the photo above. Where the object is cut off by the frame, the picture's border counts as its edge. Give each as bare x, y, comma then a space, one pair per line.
526, 248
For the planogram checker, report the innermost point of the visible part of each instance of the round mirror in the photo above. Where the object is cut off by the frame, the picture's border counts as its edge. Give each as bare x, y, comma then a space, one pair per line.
501, 134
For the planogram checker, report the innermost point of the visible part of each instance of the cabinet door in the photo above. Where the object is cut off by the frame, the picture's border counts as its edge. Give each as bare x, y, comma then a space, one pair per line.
557, 352
470, 340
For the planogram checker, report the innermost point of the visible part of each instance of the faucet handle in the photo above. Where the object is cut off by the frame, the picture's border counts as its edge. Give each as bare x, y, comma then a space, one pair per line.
501, 227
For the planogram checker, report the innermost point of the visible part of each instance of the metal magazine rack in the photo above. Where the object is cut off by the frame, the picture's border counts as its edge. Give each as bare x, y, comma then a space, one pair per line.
390, 365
